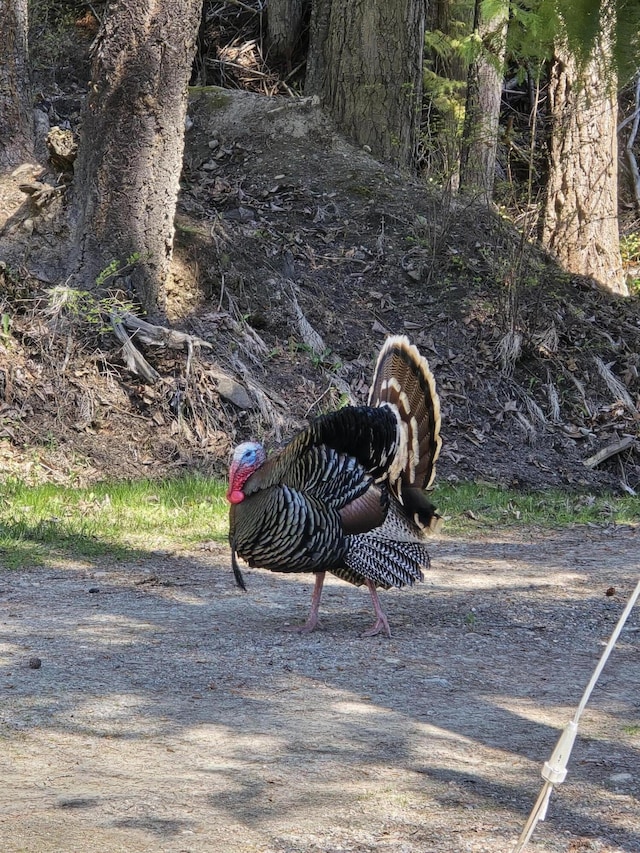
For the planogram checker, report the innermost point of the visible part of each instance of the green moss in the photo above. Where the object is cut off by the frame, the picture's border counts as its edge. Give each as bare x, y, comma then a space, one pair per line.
361, 190
217, 98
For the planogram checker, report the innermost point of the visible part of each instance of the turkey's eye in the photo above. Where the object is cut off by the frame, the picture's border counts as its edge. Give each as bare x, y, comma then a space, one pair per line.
249, 456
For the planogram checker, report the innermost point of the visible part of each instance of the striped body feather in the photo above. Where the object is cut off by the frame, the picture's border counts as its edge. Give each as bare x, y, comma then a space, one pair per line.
290, 520
347, 494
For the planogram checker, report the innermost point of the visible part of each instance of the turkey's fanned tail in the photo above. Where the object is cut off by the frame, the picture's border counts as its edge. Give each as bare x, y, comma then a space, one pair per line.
404, 382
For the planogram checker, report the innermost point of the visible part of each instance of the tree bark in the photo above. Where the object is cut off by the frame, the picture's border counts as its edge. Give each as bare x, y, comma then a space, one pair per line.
482, 112
17, 132
318, 35
580, 225
132, 140
284, 20
370, 76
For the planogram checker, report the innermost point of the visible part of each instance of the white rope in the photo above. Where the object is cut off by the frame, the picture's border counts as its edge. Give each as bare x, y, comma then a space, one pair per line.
555, 770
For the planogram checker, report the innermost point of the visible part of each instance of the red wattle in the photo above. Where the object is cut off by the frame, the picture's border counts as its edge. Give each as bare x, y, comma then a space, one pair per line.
235, 496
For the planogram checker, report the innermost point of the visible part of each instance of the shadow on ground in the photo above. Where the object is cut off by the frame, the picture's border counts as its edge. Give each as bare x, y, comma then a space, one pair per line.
171, 711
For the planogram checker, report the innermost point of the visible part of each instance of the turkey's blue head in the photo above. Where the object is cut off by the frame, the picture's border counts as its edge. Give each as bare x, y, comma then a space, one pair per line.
247, 458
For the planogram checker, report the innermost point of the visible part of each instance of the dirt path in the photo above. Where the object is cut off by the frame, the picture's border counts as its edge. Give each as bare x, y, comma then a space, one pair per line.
173, 713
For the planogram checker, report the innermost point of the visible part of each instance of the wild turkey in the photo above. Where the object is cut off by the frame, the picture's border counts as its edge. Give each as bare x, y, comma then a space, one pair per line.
347, 494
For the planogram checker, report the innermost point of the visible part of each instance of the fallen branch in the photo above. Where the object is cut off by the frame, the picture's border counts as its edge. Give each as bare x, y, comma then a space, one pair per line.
633, 165
617, 388
136, 362
610, 450
147, 333
308, 334
160, 336
40, 194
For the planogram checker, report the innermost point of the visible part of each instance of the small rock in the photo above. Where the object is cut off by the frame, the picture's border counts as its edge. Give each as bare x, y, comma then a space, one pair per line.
621, 777
35, 663
94, 589
244, 214
235, 393
26, 169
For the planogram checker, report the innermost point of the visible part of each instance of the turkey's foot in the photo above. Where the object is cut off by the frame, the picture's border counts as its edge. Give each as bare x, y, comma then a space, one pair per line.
381, 623
312, 622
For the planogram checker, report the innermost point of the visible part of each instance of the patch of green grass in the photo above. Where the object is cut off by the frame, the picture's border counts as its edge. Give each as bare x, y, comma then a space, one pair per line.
471, 620
630, 253
127, 520
39, 524
468, 507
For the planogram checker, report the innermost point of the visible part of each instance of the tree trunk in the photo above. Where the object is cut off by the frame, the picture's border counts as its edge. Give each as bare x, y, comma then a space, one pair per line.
284, 20
580, 224
130, 153
318, 35
371, 72
482, 112
16, 105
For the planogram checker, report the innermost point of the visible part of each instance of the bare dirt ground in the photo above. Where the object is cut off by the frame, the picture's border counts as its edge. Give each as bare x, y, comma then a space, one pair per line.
172, 712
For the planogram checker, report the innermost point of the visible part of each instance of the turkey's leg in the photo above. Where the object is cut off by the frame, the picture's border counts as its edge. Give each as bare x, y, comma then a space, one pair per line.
381, 623
312, 621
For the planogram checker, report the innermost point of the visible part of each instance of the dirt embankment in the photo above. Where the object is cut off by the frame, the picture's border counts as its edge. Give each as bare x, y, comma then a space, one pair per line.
296, 254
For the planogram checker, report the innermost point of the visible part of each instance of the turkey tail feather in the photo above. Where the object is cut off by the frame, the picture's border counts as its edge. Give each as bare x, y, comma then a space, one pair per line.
404, 382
